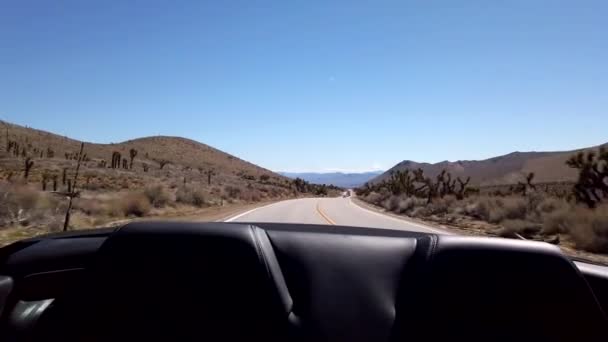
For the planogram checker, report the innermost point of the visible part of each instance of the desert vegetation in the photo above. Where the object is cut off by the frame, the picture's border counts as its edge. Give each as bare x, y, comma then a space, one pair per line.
568, 214
52, 183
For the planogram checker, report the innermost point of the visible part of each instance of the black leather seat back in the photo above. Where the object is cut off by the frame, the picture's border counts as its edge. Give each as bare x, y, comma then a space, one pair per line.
480, 289
181, 283
343, 287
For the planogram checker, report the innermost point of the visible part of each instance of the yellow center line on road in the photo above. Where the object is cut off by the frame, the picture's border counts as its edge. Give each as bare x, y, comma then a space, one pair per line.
323, 215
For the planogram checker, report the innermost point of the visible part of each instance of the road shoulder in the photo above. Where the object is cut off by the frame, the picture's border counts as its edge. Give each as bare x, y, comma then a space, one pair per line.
381, 211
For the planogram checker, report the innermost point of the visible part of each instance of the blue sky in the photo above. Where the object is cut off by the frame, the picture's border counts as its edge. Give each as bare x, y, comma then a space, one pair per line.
313, 85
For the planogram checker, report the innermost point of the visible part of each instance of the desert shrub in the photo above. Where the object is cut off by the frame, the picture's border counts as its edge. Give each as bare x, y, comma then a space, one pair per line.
252, 195
93, 186
552, 204
25, 198
420, 211
231, 191
497, 209
377, 198
513, 208
391, 203
373, 197
559, 220
441, 206
479, 207
22, 204
134, 203
255, 196
590, 229
157, 195
407, 204
190, 196
91, 207
511, 227
274, 192
124, 184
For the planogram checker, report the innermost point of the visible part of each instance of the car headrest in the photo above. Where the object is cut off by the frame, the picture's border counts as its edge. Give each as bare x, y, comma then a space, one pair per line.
184, 281
491, 289
343, 286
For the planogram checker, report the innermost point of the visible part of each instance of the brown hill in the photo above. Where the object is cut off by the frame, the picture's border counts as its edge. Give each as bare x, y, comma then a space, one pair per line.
548, 167
184, 158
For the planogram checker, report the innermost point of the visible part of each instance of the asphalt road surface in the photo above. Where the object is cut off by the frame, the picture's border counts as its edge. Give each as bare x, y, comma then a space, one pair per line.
331, 211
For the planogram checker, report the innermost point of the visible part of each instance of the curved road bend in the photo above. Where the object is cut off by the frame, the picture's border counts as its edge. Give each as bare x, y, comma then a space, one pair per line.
330, 211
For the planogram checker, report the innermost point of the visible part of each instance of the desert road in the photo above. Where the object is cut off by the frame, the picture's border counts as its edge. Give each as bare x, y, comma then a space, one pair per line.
330, 211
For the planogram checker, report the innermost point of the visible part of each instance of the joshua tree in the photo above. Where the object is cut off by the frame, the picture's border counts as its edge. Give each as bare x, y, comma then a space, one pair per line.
28, 166
72, 190
400, 182
8, 142
64, 175
523, 187
132, 154
145, 166
125, 163
44, 180
116, 158
162, 163
592, 184
209, 174
463, 186
55, 182
447, 185
301, 185
50, 153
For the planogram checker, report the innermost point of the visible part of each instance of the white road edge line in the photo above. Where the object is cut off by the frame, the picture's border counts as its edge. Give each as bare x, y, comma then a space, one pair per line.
232, 218
435, 230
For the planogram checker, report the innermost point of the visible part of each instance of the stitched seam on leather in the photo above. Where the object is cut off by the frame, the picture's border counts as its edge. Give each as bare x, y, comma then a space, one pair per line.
260, 251
262, 255
432, 248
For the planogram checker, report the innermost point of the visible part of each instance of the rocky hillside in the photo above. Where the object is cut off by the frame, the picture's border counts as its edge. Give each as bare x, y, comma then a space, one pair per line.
548, 167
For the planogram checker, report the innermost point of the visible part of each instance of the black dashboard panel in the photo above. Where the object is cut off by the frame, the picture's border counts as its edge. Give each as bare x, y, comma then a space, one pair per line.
281, 282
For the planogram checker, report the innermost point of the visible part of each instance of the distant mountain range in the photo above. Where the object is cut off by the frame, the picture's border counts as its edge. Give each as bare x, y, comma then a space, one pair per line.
507, 169
344, 180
